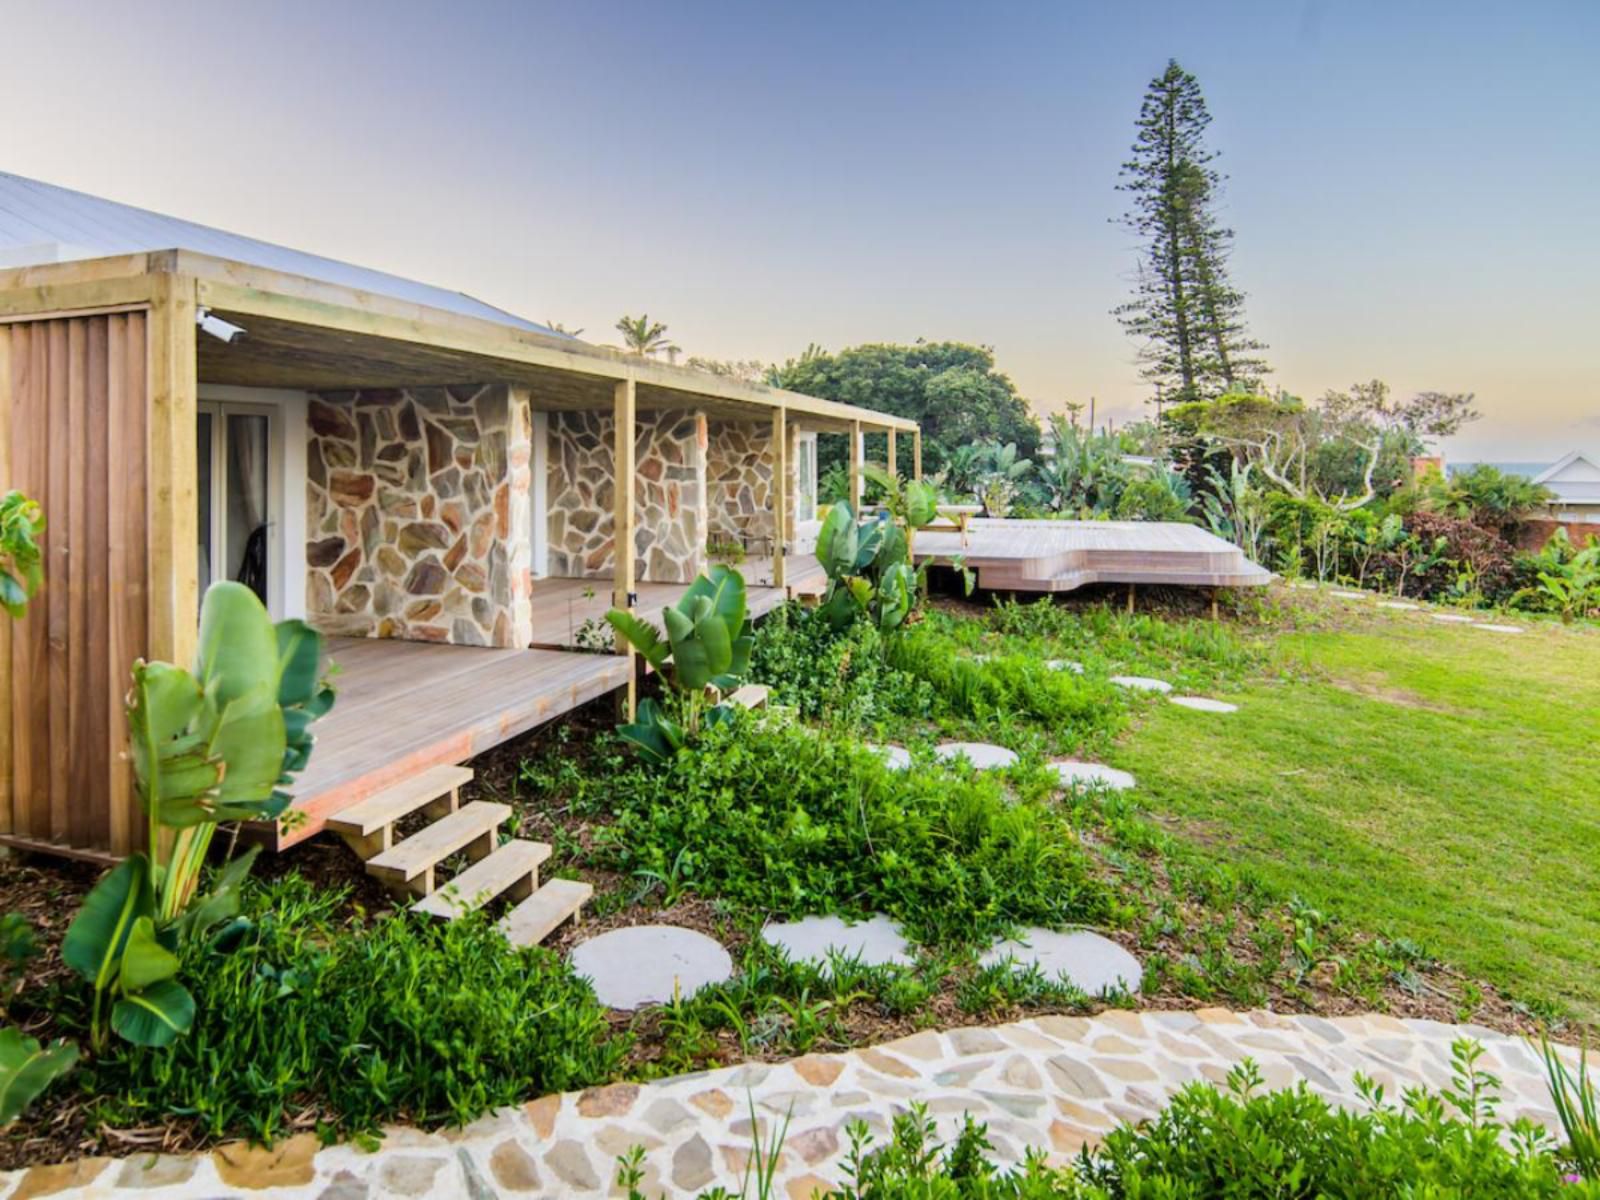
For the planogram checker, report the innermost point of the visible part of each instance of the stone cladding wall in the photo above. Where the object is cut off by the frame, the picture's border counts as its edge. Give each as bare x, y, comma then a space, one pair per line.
417, 510
670, 512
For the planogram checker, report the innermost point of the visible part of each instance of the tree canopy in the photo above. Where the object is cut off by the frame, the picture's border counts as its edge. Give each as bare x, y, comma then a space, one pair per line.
951, 389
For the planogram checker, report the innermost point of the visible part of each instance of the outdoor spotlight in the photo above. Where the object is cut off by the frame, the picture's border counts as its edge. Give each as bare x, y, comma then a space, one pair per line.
225, 331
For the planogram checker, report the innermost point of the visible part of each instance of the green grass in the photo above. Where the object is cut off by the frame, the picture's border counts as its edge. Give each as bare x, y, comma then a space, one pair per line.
1435, 783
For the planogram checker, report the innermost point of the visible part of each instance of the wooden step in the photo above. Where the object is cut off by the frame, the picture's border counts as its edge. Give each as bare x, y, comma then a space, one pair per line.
368, 826
751, 695
411, 862
513, 868
530, 922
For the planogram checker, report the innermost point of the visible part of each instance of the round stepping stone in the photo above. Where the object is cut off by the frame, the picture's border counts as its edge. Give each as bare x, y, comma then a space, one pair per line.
896, 758
1351, 595
983, 755
1089, 962
1304, 583
1500, 628
1141, 683
1074, 773
1399, 605
1064, 664
1204, 704
1453, 618
643, 964
875, 942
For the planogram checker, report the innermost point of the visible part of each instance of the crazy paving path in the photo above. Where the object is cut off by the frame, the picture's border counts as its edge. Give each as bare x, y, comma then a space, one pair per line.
1052, 1082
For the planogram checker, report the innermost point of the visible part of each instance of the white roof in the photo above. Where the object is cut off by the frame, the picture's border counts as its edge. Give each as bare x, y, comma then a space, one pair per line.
40, 223
1573, 480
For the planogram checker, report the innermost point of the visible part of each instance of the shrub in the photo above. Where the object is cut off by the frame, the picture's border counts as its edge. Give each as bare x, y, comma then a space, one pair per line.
786, 821
403, 1019
1472, 563
835, 676
1244, 1144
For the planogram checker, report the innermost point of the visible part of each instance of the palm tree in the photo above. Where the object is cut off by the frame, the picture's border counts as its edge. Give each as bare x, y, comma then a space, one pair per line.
645, 337
560, 328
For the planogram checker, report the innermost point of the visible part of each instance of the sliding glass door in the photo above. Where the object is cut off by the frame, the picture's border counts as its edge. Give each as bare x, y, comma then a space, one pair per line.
237, 522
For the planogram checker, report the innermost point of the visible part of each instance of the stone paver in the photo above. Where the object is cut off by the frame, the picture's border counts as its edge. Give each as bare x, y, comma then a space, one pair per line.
1055, 1083
1064, 664
1499, 628
1451, 618
1351, 595
876, 942
1089, 962
1141, 683
1204, 704
1075, 773
1399, 605
645, 964
896, 758
982, 755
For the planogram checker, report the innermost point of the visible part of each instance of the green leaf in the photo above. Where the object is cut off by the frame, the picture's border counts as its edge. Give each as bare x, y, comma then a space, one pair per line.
838, 542
27, 1068
656, 735
144, 960
641, 635
724, 587
238, 646
922, 504
95, 940
154, 1016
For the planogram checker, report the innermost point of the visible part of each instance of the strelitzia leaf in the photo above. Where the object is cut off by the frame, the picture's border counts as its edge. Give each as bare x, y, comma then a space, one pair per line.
154, 1016
27, 1068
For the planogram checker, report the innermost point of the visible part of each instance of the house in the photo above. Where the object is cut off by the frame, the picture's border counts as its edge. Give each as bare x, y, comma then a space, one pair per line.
453, 494
1574, 483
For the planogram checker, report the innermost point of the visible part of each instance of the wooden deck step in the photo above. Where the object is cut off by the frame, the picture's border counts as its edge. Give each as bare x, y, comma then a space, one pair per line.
368, 825
751, 695
530, 922
411, 862
513, 868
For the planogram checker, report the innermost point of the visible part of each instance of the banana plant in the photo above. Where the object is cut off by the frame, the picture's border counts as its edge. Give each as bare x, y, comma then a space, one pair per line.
706, 651
208, 746
871, 570
27, 1068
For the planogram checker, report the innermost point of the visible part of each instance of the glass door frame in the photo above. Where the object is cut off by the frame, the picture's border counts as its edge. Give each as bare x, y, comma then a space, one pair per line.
219, 551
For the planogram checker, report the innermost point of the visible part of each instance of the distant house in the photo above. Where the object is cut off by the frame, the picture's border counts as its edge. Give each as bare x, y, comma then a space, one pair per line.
1575, 481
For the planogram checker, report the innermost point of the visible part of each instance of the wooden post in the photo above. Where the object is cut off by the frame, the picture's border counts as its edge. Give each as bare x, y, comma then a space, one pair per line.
1130, 599
779, 494
894, 463
624, 410
1213, 604
916, 454
174, 546
855, 466
7, 821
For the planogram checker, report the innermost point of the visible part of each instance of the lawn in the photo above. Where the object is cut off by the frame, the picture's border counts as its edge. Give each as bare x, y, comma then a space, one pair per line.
1431, 782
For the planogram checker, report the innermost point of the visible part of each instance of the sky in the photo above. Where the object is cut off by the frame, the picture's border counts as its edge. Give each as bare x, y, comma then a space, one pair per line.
1413, 185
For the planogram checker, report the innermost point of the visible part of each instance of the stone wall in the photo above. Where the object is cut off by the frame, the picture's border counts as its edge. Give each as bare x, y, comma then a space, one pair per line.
739, 483
670, 513
417, 510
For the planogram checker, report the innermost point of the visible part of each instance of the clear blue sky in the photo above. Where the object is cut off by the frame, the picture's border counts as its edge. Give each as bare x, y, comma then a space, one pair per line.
1414, 185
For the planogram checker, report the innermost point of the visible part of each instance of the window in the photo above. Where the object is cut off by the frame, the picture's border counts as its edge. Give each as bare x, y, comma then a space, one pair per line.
806, 466
233, 448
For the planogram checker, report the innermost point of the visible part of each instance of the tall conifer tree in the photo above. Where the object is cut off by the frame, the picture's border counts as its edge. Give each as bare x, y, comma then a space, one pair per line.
1186, 311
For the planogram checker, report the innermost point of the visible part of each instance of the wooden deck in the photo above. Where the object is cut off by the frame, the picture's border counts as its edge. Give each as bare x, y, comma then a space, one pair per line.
403, 706
1058, 556
562, 608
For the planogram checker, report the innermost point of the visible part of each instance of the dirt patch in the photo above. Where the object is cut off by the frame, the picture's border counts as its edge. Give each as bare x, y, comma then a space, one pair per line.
1399, 697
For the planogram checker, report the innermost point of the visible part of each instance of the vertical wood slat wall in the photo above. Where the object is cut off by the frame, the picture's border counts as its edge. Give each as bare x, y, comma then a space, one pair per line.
73, 435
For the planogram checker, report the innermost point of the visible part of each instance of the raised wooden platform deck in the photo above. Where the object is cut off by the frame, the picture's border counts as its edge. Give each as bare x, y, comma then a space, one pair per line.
404, 706
1058, 556
562, 607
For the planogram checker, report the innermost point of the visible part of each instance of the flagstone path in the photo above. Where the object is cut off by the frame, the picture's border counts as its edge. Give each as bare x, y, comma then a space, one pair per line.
1055, 1082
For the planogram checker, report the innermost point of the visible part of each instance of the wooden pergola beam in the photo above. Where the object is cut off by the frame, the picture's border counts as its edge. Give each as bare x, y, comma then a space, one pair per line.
857, 450
779, 493
624, 412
